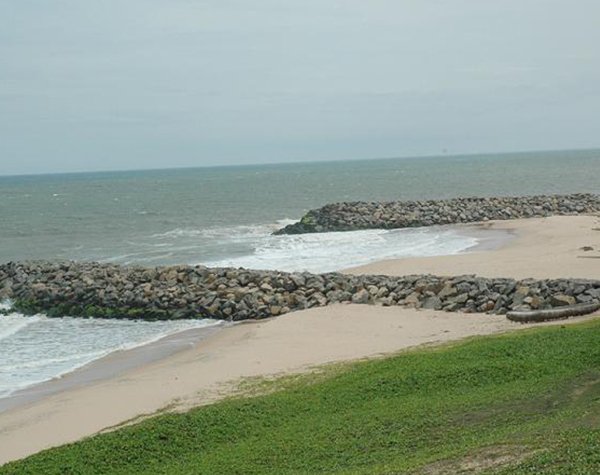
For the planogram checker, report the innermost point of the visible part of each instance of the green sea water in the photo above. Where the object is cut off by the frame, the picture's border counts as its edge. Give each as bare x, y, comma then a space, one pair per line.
213, 215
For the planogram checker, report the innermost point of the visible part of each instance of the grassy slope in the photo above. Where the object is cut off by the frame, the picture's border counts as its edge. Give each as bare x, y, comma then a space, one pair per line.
522, 403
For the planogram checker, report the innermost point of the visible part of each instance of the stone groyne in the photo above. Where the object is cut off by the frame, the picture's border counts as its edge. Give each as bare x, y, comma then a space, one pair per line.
111, 291
350, 216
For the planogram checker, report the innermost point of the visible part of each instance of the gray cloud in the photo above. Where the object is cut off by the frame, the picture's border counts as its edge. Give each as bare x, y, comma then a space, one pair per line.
139, 84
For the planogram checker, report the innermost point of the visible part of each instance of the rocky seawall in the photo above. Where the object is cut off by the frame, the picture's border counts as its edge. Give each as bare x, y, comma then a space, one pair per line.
351, 216
112, 291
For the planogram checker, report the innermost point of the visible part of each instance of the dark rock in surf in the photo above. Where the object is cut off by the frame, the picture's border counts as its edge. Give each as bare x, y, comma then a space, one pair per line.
351, 216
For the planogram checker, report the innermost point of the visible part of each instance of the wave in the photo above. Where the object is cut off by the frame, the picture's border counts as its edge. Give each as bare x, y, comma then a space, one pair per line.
254, 246
326, 252
188, 245
13, 323
39, 363
229, 232
40, 348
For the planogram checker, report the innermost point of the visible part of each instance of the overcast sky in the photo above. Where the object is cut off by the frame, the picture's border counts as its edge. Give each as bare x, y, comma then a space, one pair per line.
114, 84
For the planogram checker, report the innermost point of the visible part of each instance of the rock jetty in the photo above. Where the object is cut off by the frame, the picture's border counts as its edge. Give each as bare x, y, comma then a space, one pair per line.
351, 216
111, 291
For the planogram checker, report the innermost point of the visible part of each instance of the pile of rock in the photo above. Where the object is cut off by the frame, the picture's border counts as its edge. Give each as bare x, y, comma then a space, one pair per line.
349, 216
112, 291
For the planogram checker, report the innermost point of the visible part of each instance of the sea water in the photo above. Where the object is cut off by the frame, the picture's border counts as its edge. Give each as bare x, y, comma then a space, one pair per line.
37, 348
208, 215
225, 216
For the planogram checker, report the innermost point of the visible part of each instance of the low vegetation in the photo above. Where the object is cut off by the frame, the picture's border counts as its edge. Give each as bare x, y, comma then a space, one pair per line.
33, 307
522, 403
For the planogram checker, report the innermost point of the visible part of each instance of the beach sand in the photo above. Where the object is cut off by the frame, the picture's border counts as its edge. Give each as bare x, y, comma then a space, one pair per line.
542, 248
549, 247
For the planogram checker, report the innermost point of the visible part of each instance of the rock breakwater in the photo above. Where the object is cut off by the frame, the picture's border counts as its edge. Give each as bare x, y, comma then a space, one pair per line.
111, 291
351, 216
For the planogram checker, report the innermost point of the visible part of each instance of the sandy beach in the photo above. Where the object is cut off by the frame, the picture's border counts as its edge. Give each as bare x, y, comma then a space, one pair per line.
541, 248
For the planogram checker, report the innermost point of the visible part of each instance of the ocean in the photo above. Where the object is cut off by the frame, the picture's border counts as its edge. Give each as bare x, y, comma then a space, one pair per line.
224, 216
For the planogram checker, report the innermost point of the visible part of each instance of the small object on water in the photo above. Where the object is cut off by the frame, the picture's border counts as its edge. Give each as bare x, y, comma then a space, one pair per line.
553, 313
587, 248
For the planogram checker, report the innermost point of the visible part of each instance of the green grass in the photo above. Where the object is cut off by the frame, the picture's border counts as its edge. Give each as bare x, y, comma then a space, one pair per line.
519, 403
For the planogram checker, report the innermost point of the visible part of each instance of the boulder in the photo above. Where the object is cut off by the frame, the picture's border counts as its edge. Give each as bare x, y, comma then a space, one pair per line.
560, 300
432, 303
362, 296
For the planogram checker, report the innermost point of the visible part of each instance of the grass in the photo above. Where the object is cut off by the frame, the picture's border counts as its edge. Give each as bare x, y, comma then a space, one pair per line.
513, 404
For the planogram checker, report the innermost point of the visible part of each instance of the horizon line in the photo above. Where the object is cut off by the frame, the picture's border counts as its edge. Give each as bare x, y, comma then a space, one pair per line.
297, 162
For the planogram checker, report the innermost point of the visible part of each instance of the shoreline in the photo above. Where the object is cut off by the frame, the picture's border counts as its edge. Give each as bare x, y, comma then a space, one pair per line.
294, 342
110, 366
119, 362
298, 341
289, 344
94, 289
488, 237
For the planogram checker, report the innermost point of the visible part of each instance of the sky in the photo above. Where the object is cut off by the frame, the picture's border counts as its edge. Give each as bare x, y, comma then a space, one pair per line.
113, 84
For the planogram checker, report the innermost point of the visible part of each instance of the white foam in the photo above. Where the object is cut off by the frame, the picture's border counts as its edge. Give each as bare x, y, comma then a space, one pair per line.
241, 232
13, 323
37, 349
255, 246
326, 252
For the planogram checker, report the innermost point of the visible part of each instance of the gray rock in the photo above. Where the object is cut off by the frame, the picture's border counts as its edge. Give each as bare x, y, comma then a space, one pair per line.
412, 300
362, 215
462, 298
180, 291
560, 300
362, 296
432, 303
447, 291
